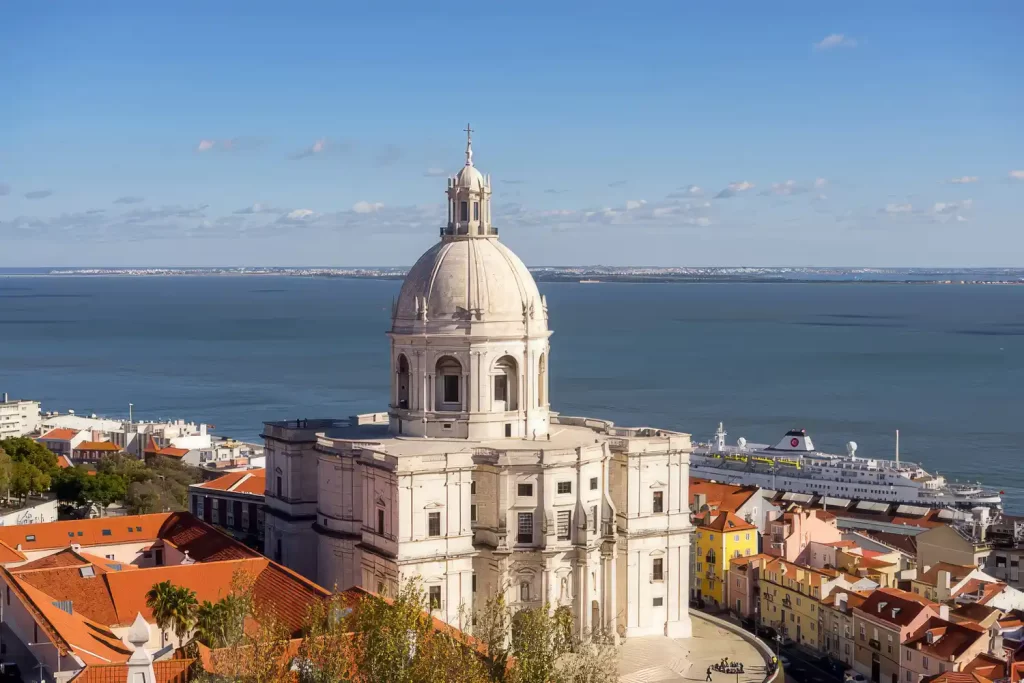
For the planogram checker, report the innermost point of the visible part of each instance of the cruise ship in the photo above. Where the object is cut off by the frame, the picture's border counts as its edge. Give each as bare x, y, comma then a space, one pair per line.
794, 466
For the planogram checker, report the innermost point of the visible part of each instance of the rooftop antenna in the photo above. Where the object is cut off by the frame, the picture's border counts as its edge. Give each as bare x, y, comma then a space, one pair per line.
897, 449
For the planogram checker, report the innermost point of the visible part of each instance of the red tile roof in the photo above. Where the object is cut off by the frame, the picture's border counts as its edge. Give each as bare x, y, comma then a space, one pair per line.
9, 554
955, 677
895, 606
253, 482
986, 665
107, 446
949, 641
166, 671
64, 462
173, 452
727, 497
956, 571
59, 435
726, 522
85, 531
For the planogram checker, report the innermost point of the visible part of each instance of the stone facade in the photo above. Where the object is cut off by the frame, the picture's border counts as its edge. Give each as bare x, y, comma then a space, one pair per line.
469, 482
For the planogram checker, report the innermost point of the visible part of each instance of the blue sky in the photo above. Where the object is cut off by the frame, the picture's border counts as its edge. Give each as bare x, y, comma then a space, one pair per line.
666, 134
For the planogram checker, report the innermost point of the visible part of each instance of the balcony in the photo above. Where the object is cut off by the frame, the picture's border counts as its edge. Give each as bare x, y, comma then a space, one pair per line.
874, 644
787, 602
447, 231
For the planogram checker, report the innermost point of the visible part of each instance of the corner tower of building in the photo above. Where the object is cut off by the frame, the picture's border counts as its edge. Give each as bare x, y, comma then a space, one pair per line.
469, 332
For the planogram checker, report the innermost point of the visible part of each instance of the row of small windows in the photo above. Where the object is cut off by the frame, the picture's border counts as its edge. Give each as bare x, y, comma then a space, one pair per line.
464, 211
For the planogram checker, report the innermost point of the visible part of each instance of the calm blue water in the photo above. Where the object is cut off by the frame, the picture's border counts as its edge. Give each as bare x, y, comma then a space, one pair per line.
944, 365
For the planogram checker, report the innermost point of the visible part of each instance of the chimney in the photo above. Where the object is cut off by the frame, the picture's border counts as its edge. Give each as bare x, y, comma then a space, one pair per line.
202, 430
944, 580
841, 601
944, 612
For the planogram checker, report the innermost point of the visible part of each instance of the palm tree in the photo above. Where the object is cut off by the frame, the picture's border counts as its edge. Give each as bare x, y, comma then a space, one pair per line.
160, 600
173, 607
184, 613
210, 624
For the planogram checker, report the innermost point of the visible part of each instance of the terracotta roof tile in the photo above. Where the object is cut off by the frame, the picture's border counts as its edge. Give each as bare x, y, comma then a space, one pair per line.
955, 677
9, 554
727, 522
59, 435
85, 531
949, 640
250, 481
98, 446
727, 497
895, 606
166, 671
171, 452
204, 543
986, 665
64, 462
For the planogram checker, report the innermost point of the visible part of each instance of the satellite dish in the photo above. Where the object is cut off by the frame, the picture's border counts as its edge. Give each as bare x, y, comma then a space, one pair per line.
741, 442
851, 447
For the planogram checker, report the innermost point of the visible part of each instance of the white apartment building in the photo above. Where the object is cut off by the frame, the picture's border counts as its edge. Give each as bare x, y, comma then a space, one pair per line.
18, 418
470, 481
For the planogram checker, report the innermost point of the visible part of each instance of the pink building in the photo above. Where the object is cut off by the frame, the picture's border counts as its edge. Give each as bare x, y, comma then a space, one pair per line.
790, 536
743, 593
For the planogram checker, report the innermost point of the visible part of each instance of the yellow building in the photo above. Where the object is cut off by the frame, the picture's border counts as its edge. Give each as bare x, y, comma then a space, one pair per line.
790, 596
719, 538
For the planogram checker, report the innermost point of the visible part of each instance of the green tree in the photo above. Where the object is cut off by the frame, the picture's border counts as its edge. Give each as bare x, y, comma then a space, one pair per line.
104, 488
26, 478
174, 608
6, 467
69, 484
24, 449
326, 654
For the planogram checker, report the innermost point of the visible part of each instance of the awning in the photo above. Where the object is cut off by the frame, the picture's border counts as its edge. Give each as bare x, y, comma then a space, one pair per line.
912, 510
797, 497
836, 502
873, 507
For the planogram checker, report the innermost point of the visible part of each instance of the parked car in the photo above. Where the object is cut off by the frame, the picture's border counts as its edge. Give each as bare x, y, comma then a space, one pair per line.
852, 676
784, 661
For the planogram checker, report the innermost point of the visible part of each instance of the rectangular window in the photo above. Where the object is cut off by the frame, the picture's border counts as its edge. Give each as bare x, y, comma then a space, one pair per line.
451, 388
463, 211
508, 430
565, 487
659, 502
593, 483
472, 488
924, 662
501, 388
563, 524
525, 528
658, 602
593, 518
279, 488
474, 583
472, 513
525, 490
435, 597
433, 524
524, 592
380, 521
657, 569
476, 211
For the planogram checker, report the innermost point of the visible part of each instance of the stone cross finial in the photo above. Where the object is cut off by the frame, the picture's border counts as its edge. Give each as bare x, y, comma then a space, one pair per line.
469, 145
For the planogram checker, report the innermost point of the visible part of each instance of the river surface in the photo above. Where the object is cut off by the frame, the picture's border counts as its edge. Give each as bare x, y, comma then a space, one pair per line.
943, 364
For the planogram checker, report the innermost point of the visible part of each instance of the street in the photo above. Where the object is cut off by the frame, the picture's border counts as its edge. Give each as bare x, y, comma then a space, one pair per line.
806, 668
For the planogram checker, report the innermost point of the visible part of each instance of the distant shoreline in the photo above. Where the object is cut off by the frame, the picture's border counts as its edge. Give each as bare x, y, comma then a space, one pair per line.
595, 276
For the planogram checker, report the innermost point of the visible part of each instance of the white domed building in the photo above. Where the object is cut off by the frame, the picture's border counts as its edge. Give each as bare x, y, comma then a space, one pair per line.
469, 481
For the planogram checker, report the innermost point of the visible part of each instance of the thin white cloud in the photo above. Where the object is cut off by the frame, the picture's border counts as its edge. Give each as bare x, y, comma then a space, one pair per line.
367, 207
435, 172
38, 194
129, 200
259, 207
819, 183
205, 145
686, 192
317, 147
1017, 175
617, 183
963, 180
952, 207
635, 204
785, 188
835, 40
897, 209
734, 189
300, 214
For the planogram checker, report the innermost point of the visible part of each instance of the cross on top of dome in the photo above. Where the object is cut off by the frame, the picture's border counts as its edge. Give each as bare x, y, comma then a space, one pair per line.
469, 200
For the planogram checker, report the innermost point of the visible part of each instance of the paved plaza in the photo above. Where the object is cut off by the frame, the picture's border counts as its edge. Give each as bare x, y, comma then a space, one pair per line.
647, 660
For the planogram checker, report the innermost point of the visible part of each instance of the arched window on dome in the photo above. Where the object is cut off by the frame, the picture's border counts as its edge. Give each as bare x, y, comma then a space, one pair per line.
542, 381
448, 384
505, 384
402, 382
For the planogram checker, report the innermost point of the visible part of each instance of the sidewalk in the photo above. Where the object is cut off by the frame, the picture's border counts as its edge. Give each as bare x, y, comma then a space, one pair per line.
647, 660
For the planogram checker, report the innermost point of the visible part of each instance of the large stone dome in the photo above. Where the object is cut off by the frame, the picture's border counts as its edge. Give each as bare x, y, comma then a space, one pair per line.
470, 286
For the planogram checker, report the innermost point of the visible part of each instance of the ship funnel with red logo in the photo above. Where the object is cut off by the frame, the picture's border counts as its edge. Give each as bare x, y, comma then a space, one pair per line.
795, 440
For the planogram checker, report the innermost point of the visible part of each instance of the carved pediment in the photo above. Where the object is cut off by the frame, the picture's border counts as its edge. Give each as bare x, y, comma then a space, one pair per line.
433, 506
658, 485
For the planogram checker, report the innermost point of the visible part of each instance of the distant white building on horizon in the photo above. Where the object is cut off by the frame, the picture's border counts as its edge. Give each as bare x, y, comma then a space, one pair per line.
470, 481
18, 417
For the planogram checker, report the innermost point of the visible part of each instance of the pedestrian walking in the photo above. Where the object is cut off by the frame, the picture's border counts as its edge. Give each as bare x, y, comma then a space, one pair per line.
708, 679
